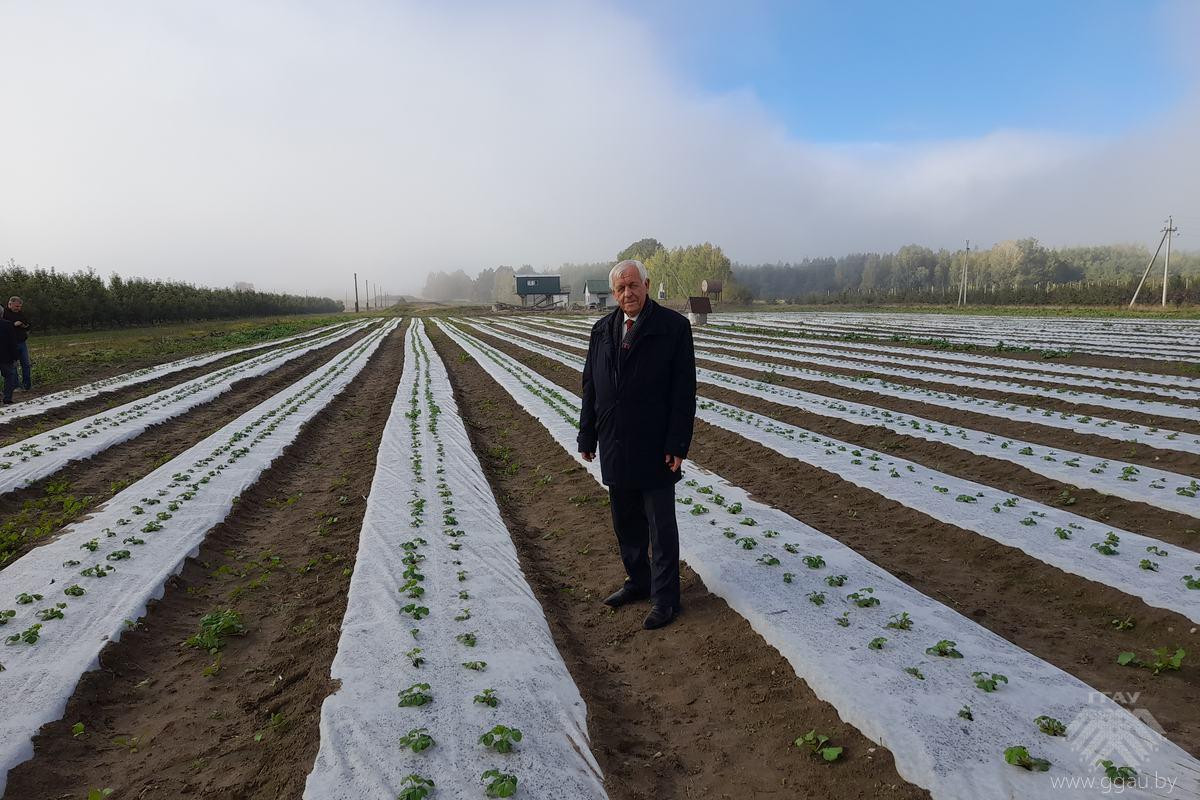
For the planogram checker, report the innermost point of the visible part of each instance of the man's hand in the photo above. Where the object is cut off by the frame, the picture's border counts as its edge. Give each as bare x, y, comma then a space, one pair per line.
588, 456
673, 462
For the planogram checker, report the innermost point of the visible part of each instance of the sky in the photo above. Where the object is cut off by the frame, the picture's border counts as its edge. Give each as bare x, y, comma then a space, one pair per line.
291, 144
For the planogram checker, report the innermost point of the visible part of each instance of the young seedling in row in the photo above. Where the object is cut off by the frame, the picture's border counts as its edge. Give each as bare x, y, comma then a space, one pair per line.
417, 740
414, 656
415, 611
1156, 551
768, 560
794, 549
478, 666
24, 599
1109, 546
788, 577
98, 794
835, 580
1190, 582
29, 636
415, 787
56, 612
499, 784
734, 508
863, 598
1019, 757
415, 695
747, 543
1050, 726
463, 615
945, 649
6, 615
820, 745
916, 673
901, 621
1148, 565
501, 739
77, 730
813, 562
466, 638
214, 628
1120, 776
1124, 624
1062, 533
965, 713
988, 681
816, 598
877, 643
843, 620
488, 698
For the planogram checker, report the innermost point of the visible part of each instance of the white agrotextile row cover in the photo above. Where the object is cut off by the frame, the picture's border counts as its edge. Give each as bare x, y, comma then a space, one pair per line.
1107, 376
1161, 438
1063, 334
34, 458
449, 676
980, 366
1137, 565
781, 350
944, 695
73, 395
75, 594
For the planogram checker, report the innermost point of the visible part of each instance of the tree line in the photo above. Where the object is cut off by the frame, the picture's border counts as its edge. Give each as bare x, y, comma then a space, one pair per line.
70, 301
1014, 272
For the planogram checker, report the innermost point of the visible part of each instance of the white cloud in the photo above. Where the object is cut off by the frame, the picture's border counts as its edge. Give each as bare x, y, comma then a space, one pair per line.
289, 144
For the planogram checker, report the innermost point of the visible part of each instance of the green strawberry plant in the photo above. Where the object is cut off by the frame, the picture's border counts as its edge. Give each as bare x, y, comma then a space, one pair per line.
1109, 546
768, 560
1120, 776
835, 580
820, 745
1019, 757
414, 656
901, 621
415, 695
466, 638
965, 713
488, 698
747, 542
916, 673
877, 643
24, 599
863, 598
988, 681
945, 649
415, 787
788, 577
1050, 726
813, 562
214, 628
415, 611
499, 784
478, 666
417, 740
501, 739
816, 598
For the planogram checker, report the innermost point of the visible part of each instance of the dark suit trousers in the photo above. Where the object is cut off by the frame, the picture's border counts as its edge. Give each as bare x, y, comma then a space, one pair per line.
644, 520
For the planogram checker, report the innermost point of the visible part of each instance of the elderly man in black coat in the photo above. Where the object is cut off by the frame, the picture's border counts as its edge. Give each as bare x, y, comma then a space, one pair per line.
639, 403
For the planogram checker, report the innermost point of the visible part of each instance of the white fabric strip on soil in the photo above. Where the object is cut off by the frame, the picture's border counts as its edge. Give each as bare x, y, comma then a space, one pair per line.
361, 723
37, 405
38, 679
29, 460
785, 351
1160, 438
990, 333
1032, 527
1167, 490
916, 719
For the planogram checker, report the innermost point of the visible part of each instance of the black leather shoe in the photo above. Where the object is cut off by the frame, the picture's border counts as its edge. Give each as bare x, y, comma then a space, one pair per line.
623, 596
660, 616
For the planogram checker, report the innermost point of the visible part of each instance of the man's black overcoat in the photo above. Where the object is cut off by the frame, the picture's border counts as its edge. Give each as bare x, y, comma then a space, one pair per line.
639, 396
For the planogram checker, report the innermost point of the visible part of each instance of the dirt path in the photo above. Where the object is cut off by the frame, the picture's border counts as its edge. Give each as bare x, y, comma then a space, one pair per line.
283, 561
1061, 618
702, 709
34, 514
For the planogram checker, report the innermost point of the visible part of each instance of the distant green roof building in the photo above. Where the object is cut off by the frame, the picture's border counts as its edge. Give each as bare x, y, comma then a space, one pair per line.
597, 287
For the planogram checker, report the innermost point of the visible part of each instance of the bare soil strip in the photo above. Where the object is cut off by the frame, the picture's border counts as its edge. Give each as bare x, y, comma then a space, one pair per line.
702, 709
51, 503
156, 725
1061, 618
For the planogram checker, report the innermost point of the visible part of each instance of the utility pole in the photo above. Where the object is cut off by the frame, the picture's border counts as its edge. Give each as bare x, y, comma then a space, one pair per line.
1166, 234
356, 293
367, 291
1169, 231
962, 289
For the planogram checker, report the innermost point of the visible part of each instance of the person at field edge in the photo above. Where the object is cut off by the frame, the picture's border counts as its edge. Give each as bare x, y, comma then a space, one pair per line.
8, 357
13, 313
639, 404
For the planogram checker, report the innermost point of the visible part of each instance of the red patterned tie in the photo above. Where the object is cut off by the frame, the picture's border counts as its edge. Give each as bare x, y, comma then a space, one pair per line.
628, 326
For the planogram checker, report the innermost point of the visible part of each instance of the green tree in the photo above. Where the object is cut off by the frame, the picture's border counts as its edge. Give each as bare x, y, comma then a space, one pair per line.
641, 250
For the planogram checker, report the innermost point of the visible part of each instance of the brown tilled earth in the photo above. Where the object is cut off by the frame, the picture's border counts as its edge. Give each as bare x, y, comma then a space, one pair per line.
1062, 618
156, 725
704, 708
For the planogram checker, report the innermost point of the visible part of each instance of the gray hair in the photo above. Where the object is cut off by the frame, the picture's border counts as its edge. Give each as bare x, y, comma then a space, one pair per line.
624, 265
14, 297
